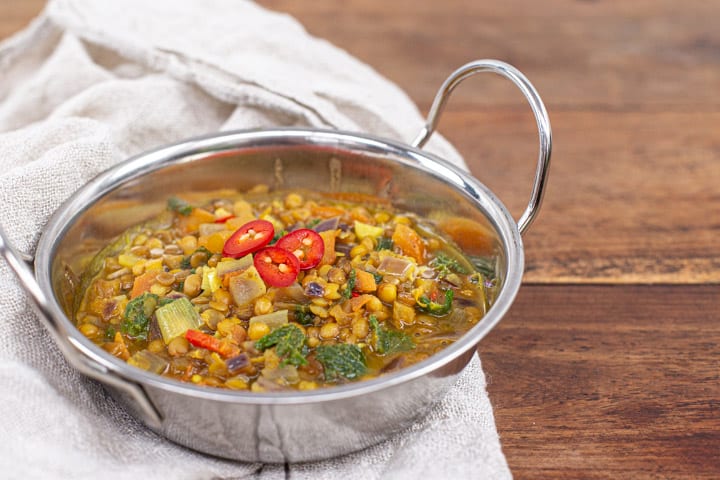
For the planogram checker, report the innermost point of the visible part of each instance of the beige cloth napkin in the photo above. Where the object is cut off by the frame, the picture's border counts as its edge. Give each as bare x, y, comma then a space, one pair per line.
90, 83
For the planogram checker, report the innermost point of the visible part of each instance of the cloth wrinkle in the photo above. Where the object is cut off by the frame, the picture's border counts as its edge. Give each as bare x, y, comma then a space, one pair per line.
88, 84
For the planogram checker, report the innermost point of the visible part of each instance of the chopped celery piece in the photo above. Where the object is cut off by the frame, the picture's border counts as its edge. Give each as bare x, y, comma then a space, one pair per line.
246, 286
176, 318
233, 265
148, 361
363, 230
210, 280
272, 320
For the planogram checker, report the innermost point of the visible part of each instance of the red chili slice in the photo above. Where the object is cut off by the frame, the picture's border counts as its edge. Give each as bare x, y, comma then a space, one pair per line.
305, 244
203, 340
249, 238
277, 267
224, 219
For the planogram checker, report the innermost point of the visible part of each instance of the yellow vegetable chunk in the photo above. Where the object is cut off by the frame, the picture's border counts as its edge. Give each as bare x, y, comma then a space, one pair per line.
246, 286
363, 230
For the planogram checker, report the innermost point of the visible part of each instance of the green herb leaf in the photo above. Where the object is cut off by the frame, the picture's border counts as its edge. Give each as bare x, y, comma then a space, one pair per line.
278, 236
384, 243
444, 264
347, 293
434, 308
179, 205
344, 360
138, 312
387, 342
288, 341
313, 223
303, 315
110, 334
484, 265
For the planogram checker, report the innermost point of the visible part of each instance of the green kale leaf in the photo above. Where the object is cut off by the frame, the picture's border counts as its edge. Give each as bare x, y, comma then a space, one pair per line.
352, 278
138, 313
445, 264
387, 342
384, 243
435, 308
288, 341
343, 359
179, 205
303, 315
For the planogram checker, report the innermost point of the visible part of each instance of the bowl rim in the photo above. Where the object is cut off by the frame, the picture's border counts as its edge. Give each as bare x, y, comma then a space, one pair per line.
184, 151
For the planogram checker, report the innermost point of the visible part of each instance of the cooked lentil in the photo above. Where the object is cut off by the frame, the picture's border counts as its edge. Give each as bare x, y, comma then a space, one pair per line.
385, 289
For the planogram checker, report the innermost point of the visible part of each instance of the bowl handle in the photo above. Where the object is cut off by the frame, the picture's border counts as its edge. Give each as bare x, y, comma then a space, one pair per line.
536, 104
70, 348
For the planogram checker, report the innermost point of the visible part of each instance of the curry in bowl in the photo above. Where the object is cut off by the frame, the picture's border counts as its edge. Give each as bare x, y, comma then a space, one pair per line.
285, 290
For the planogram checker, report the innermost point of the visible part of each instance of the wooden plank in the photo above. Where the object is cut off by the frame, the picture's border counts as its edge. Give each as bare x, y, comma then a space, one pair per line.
580, 54
633, 194
608, 382
632, 197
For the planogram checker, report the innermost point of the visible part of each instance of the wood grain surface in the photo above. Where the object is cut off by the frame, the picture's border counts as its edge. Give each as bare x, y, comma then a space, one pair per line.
607, 364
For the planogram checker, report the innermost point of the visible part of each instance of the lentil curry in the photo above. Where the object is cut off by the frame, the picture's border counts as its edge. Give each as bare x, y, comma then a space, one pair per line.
273, 291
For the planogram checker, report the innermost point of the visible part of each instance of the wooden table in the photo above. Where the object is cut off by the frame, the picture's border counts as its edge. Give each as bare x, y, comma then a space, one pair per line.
607, 364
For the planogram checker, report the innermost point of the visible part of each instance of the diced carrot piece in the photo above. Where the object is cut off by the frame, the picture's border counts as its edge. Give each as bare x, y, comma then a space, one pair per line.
329, 255
216, 241
143, 283
364, 281
208, 342
356, 303
409, 242
190, 223
326, 212
471, 236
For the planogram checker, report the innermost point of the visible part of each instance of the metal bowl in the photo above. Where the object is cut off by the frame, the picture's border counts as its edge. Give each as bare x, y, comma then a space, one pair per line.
278, 427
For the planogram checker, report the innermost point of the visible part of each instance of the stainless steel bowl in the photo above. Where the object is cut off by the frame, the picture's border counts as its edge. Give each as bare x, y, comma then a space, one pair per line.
278, 427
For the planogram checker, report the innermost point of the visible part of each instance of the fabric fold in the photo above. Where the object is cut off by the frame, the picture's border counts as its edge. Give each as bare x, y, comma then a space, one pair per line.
89, 84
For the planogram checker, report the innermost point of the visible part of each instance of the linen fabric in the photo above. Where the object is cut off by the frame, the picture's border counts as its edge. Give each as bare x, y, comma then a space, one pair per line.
89, 84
